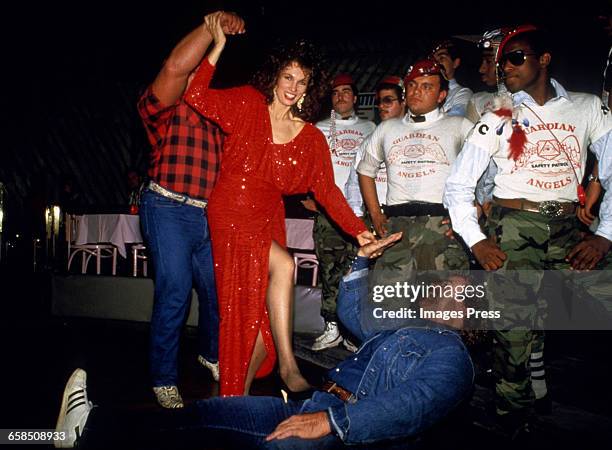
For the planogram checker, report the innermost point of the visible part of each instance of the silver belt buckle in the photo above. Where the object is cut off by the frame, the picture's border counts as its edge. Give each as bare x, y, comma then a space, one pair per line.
550, 208
177, 197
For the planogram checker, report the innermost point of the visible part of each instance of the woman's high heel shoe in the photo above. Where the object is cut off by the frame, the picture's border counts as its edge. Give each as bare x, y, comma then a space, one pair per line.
288, 394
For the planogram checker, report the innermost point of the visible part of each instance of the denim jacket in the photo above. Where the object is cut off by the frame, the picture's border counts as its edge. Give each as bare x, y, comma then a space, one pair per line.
404, 381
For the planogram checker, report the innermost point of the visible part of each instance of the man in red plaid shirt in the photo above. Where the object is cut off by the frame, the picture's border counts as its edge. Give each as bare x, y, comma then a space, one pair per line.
185, 161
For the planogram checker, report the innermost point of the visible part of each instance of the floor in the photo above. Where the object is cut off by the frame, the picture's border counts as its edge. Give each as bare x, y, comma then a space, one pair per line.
40, 351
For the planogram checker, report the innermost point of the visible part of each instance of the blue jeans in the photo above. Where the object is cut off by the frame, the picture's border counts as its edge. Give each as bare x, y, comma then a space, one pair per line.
178, 240
228, 422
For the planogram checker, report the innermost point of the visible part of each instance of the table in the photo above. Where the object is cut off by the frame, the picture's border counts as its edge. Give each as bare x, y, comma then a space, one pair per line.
118, 229
121, 229
299, 233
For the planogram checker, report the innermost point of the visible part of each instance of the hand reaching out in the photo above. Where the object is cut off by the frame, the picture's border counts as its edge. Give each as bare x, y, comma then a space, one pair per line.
376, 248
365, 237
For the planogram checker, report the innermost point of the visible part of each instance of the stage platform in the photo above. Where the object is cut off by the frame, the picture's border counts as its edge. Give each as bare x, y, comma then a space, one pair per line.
131, 298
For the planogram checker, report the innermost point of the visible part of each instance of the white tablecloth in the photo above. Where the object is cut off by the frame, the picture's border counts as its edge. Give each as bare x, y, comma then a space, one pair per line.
118, 229
299, 233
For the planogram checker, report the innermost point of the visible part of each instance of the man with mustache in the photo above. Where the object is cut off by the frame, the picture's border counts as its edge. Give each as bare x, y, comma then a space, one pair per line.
344, 131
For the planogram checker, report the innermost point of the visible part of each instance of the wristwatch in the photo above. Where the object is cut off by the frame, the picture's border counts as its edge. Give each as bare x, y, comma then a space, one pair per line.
593, 179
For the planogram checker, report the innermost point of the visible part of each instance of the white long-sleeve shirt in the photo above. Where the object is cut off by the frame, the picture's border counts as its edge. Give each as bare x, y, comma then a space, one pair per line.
545, 171
418, 155
456, 99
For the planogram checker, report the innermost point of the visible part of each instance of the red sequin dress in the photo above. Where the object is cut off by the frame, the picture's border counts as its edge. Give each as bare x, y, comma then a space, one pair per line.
246, 213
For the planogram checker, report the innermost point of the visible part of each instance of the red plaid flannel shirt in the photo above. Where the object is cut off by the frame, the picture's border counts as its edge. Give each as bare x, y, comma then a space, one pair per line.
186, 148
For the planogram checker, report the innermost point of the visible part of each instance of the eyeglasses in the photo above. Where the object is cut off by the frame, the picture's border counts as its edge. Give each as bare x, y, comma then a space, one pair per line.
386, 101
516, 58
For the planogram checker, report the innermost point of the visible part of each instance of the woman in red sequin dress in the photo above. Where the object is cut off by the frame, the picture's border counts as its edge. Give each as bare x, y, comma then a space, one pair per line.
269, 152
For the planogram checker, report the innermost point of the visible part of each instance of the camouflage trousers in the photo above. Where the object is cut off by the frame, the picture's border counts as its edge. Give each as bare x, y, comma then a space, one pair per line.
335, 252
533, 244
423, 247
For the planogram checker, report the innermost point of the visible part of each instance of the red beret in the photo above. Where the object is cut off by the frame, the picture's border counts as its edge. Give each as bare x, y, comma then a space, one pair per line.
443, 44
342, 78
392, 79
423, 68
512, 33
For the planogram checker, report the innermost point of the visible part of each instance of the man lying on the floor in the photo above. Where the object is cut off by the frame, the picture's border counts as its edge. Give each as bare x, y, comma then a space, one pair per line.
399, 384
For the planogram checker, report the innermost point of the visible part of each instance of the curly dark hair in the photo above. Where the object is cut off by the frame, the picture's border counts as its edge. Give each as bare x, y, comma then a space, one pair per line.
310, 60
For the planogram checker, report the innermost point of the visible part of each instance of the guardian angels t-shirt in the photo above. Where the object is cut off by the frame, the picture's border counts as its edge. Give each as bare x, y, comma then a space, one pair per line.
555, 153
350, 133
418, 156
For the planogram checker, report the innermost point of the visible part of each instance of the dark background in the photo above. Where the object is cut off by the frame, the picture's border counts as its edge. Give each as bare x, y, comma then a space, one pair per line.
71, 76
73, 71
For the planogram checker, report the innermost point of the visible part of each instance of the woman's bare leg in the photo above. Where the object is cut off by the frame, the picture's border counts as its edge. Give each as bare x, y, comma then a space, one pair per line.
259, 354
280, 310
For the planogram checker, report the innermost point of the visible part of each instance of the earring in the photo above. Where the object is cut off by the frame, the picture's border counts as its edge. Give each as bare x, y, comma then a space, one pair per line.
300, 102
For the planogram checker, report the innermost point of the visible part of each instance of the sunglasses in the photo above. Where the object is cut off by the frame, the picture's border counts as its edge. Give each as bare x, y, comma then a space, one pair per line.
387, 101
516, 58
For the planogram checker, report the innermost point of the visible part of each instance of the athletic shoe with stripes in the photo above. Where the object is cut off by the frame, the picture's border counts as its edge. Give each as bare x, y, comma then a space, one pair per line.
74, 411
331, 337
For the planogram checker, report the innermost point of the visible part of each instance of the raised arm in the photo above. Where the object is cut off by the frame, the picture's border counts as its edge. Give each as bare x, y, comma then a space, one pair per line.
172, 80
225, 107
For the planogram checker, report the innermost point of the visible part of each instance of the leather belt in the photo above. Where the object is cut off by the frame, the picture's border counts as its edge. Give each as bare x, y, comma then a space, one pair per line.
415, 209
548, 208
177, 197
338, 391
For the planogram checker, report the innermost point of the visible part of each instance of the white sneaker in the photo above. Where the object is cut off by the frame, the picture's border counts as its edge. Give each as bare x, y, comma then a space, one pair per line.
74, 410
330, 338
213, 367
349, 345
168, 397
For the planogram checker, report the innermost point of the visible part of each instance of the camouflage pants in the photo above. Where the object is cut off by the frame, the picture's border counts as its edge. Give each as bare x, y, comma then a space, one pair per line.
533, 244
335, 251
423, 247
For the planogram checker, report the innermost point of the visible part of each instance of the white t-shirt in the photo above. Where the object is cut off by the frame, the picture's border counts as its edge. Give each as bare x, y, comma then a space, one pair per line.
418, 156
557, 141
349, 135
545, 171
